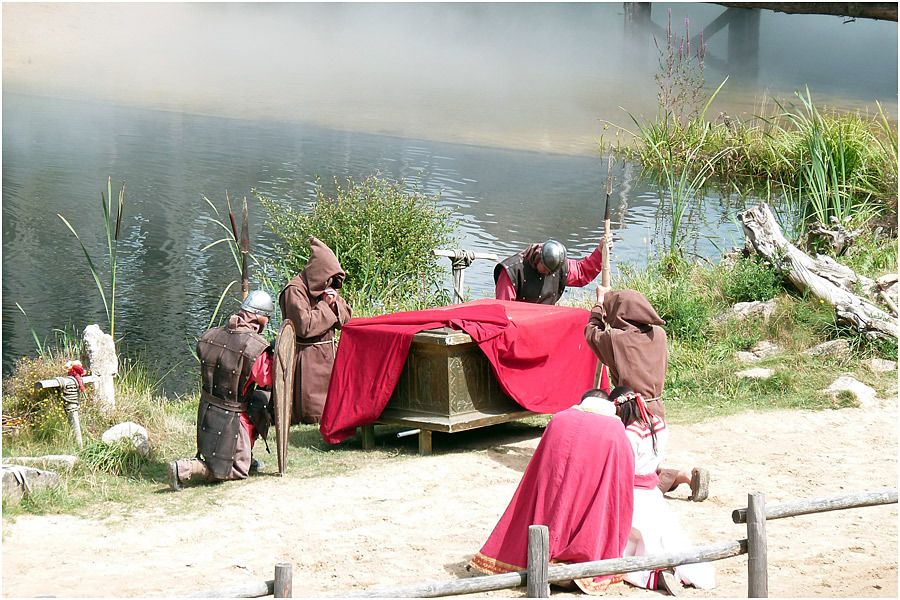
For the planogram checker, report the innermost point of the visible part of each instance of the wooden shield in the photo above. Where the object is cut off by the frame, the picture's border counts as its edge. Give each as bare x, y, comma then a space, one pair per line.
283, 389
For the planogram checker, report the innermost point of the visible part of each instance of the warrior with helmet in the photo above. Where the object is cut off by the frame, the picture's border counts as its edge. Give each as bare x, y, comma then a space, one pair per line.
541, 273
235, 371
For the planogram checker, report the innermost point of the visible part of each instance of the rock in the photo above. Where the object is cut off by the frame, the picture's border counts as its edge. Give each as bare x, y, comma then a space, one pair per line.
879, 365
765, 349
19, 481
56, 462
742, 310
746, 357
864, 394
836, 348
755, 373
99, 357
138, 436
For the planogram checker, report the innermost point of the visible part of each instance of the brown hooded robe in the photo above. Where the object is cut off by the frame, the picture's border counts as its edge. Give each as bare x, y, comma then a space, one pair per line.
634, 346
315, 322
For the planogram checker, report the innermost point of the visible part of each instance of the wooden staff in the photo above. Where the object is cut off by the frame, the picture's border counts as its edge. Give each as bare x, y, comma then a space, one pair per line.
604, 274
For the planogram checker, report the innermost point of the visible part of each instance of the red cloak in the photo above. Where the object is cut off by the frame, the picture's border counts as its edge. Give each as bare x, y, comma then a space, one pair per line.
580, 484
537, 353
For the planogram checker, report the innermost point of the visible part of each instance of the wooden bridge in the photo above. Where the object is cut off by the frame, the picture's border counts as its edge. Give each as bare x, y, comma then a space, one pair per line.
742, 22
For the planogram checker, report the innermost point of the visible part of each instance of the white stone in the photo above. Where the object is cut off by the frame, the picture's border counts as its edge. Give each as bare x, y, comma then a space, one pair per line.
757, 373
754, 309
864, 394
19, 481
99, 357
138, 436
880, 365
838, 348
765, 349
58, 462
746, 357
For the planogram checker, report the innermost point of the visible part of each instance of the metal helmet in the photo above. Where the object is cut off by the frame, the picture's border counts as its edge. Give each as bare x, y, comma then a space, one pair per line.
553, 255
258, 302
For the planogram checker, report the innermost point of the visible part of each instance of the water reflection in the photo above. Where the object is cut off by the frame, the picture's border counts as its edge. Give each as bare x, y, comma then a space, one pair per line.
516, 92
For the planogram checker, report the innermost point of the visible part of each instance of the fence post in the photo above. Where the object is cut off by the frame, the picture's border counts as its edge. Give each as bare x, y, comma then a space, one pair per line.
537, 583
283, 581
757, 569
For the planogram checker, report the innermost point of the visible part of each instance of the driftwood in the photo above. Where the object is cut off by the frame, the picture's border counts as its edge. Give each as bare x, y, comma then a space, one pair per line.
823, 277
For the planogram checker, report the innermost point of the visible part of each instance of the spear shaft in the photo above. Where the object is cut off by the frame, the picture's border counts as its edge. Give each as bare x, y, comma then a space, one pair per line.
604, 275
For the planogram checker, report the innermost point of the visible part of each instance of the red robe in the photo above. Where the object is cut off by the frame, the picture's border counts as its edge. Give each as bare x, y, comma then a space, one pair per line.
580, 484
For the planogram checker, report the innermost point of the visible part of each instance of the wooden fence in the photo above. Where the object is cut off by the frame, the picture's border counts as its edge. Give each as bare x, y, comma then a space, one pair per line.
540, 573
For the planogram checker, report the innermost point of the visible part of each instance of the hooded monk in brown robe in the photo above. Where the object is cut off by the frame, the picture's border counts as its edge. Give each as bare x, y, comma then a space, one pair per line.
311, 301
634, 348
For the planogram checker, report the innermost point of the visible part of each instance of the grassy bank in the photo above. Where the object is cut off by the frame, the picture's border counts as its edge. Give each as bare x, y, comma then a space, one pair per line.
701, 384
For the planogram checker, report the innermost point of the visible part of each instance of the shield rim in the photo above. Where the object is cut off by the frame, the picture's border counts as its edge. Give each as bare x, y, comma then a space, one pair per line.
283, 389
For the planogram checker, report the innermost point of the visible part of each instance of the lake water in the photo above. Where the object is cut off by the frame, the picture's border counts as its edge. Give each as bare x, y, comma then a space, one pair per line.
515, 167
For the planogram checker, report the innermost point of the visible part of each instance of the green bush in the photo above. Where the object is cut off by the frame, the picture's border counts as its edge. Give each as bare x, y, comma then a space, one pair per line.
385, 238
749, 280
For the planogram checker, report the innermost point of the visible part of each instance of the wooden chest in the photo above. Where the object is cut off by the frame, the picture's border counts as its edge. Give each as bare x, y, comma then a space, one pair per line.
447, 385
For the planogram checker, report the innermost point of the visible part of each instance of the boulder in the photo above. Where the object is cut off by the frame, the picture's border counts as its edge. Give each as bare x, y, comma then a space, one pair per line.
835, 348
743, 310
135, 432
757, 373
864, 394
55, 462
19, 481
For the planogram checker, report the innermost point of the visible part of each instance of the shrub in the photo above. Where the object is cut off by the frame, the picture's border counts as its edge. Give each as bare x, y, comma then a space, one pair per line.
750, 280
385, 238
38, 410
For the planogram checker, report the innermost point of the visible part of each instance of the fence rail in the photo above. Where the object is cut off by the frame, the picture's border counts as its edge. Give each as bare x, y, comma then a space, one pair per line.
540, 573
817, 505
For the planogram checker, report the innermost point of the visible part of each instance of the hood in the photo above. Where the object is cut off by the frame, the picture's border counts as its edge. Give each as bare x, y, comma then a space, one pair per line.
629, 310
321, 267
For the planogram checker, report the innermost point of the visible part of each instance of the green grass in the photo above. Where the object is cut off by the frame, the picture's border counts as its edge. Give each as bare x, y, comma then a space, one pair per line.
701, 384
813, 163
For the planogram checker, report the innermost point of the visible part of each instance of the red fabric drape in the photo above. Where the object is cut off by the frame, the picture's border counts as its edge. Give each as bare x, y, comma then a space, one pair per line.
537, 352
579, 483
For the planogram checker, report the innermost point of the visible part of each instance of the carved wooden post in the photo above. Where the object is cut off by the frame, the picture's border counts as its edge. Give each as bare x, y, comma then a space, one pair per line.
99, 357
283, 581
538, 584
757, 573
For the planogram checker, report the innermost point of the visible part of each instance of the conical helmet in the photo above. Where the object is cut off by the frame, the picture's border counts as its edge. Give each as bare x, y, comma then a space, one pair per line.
553, 255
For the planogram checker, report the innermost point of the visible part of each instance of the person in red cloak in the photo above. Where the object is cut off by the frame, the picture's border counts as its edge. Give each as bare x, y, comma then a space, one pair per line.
579, 483
312, 302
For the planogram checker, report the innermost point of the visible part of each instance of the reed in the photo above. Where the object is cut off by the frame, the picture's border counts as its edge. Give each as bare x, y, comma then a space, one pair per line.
113, 229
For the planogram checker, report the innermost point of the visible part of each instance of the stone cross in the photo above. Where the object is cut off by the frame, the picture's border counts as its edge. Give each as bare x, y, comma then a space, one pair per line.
99, 357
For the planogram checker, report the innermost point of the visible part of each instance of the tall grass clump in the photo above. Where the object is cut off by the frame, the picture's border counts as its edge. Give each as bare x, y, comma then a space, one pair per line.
828, 162
113, 228
384, 237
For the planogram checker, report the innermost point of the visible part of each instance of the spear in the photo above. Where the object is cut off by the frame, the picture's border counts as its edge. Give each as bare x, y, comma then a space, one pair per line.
245, 251
604, 275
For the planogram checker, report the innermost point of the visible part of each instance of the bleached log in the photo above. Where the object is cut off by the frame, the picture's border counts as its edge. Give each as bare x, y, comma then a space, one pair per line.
823, 277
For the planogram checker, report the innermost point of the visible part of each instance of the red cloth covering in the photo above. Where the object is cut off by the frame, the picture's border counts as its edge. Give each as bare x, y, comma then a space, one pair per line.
538, 354
580, 484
